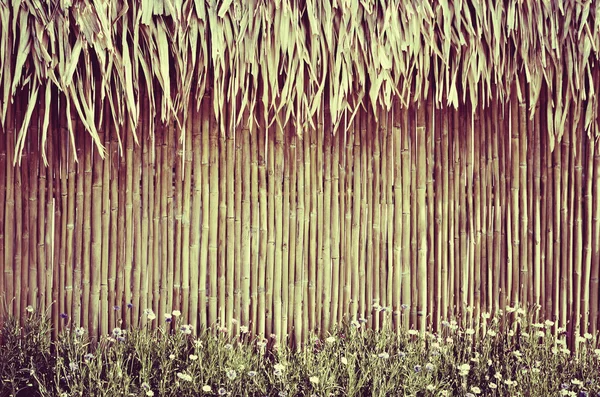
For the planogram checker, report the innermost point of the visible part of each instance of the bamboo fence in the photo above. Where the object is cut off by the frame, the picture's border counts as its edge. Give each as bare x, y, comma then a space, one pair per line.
288, 166
289, 233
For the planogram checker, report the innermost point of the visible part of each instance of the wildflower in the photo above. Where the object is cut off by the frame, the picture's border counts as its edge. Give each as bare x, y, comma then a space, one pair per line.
273, 336
244, 329
121, 338
252, 374
172, 356
549, 323
168, 317
509, 382
261, 344
470, 331
64, 316
485, 315
476, 390
588, 336
538, 325
116, 332
491, 332
116, 308
525, 334
511, 333
510, 309
535, 370
130, 305
597, 352
186, 329
417, 368
314, 379
183, 376
401, 354
430, 387
517, 354
540, 334
576, 382
277, 372
413, 332
444, 393
231, 374
206, 388
429, 367
463, 369
330, 339
279, 367
88, 357
492, 385
193, 357
176, 313
355, 324
228, 346
498, 375
362, 320
151, 315
282, 393
520, 311
79, 331
469, 395
149, 393
29, 309
222, 391
73, 367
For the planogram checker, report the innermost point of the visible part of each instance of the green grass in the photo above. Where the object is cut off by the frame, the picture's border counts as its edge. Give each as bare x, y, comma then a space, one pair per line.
496, 358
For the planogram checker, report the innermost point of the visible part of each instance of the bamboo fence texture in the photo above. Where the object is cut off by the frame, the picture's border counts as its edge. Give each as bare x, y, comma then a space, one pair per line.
428, 213
288, 165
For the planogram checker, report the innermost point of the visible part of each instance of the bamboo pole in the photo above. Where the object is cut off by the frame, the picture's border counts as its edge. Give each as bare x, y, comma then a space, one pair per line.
263, 222
41, 248
577, 227
270, 157
437, 240
96, 238
33, 210
548, 204
514, 203
285, 214
170, 220
158, 276
20, 273
475, 207
207, 119
306, 266
234, 225
61, 277
449, 144
80, 283
447, 239
537, 154
195, 231
188, 152
387, 214
221, 274
278, 263
587, 238
349, 197
214, 219
177, 154
145, 252
293, 236
246, 235
114, 213
523, 210
405, 158
463, 287
486, 193
364, 303
344, 227
421, 219
355, 257
496, 273
5, 169
311, 187
122, 231
430, 135
565, 234
375, 209
557, 218
595, 266
368, 199
128, 264
105, 229
138, 265
300, 251
50, 249
326, 229
255, 263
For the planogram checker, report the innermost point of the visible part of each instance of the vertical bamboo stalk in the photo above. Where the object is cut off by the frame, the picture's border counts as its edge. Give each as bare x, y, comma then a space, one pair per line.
564, 229
105, 228
159, 263
437, 241
326, 227
138, 269
96, 238
355, 257
523, 210
495, 274
245, 239
486, 191
514, 204
278, 271
222, 254
207, 119
595, 267
537, 154
300, 252
33, 210
349, 276
79, 283
313, 221
5, 169
114, 213
364, 303
213, 210
234, 224
375, 208
50, 249
342, 307
129, 182
447, 216
587, 248
255, 263
41, 224
449, 145
292, 227
21, 275
61, 277
320, 255
368, 200
285, 237
269, 303
170, 220
404, 156
548, 204
387, 214
177, 140
464, 264
430, 134
195, 231
421, 219
144, 258
578, 225
152, 224
122, 228
475, 207
502, 137
87, 233
190, 129
263, 221
306, 272
557, 220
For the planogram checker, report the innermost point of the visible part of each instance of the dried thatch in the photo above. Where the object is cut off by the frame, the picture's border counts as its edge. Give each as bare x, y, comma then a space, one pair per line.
295, 56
